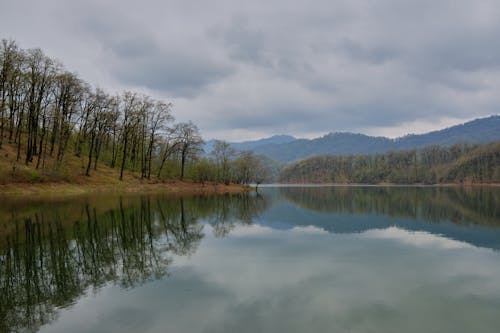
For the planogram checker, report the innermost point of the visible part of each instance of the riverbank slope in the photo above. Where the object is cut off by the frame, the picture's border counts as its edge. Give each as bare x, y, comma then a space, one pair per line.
69, 178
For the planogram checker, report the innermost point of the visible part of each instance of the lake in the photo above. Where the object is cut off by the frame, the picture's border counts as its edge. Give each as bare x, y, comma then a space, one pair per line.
286, 259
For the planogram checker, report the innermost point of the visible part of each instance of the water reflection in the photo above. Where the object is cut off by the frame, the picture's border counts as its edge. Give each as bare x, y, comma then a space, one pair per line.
280, 260
480, 205
467, 215
50, 257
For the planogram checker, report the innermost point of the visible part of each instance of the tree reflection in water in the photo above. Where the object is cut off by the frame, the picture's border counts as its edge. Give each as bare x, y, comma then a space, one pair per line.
460, 205
50, 258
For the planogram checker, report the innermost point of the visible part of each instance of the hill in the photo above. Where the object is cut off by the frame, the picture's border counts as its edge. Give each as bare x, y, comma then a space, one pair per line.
466, 163
475, 131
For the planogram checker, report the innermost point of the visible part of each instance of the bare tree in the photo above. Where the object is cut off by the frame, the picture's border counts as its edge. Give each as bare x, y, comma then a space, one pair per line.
130, 106
8, 55
69, 101
223, 153
169, 146
102, 116
86, 105
250, 168
190, 143
157, 120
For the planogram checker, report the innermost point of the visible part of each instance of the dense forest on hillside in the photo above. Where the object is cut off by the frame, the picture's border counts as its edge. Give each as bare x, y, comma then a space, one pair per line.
54, 126
456, 164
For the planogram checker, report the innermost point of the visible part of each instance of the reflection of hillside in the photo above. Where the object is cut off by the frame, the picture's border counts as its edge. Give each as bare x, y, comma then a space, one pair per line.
434, 204
48, 261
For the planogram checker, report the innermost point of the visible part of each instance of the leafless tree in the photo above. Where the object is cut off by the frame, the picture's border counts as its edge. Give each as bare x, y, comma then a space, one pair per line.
190, 143
223, 153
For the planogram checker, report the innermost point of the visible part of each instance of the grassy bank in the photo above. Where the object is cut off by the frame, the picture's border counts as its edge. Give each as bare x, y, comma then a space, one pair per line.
172, 187
69, 179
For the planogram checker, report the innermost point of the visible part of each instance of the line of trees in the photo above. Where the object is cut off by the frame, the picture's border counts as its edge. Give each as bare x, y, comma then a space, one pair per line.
455, 164
232, 166
48, 113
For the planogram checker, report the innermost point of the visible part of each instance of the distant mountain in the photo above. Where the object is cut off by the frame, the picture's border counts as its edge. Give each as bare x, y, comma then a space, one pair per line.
476, 131
286, 148
252, 145
333, 143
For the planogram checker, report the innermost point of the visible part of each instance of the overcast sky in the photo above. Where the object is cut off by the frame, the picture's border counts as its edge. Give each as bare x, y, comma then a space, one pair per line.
249, 69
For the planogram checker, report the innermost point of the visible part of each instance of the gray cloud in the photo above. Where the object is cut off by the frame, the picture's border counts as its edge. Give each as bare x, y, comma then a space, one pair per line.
246, 69
241, 42
168, 71
374, 55
134, 57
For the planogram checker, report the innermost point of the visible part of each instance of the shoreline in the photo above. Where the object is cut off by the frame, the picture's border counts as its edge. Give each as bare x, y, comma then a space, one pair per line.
175, 187
379, 185
72, 189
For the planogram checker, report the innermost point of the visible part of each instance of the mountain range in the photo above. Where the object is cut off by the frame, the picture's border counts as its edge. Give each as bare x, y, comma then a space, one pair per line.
285, 148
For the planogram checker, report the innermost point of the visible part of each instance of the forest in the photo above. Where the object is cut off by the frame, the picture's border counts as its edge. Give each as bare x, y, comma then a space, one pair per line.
461, 163
54, 126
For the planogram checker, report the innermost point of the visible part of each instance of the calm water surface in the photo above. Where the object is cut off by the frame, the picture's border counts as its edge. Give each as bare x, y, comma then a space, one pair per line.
320, 259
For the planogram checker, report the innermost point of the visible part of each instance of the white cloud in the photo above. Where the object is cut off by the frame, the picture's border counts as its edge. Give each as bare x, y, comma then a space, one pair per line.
416, 238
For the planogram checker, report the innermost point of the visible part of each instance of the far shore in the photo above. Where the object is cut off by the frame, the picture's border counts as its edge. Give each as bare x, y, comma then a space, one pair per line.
381, 184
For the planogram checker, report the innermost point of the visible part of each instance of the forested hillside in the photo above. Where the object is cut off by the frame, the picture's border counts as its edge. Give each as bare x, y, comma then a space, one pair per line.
456, 164
56, 127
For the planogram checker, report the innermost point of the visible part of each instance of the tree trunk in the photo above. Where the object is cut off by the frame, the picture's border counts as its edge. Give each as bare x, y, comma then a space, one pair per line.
183, 162
91, 148
124, 157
